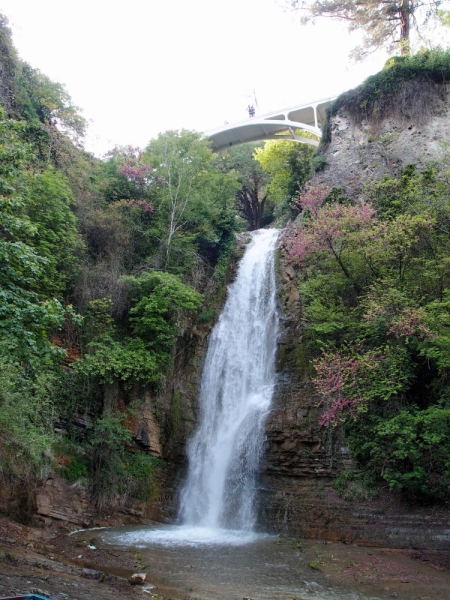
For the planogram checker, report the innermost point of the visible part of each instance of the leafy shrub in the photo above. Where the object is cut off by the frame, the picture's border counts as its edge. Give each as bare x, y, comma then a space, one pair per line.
354, 486
376, 297
26, 422
77, 468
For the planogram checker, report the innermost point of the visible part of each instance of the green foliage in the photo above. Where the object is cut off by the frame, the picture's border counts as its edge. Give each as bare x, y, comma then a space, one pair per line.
159, 296
26, 427
318, 162
76, 394
77, 469
74, 464
410, 450
157, 299
223, 262
39, 98
49, 203
98, 320
190, 201
125, 359
288, 165
251, 192
116, 472
25, 318
107, 441
30, 95
375, 289
355, 486
140, 476
206, 315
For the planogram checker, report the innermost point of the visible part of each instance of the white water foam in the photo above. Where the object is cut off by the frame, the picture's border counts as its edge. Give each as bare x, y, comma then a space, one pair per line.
182, 535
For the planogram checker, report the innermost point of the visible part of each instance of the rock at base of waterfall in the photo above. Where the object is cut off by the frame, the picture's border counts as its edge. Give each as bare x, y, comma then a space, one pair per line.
138, 578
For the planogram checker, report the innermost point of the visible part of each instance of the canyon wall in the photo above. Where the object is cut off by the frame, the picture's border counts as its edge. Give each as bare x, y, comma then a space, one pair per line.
301, 459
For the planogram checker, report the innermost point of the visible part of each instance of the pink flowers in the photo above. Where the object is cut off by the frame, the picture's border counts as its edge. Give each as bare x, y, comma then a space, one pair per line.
335, 375
312, 198
328, 225
134, 167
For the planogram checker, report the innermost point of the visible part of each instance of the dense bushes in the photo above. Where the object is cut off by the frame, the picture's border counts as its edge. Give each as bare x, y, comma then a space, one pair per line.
103, 262
376, 286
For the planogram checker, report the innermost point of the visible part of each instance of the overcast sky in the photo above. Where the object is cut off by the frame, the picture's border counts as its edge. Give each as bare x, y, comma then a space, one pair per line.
139, 67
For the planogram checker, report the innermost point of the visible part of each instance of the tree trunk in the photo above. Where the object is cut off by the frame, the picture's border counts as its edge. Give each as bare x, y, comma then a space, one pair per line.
251, 206
404, 12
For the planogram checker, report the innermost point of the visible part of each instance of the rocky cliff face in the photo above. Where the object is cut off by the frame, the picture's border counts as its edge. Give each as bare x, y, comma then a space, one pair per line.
301, 460
359, 152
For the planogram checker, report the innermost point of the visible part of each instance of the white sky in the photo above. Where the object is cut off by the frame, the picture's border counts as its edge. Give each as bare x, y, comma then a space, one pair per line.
139, 67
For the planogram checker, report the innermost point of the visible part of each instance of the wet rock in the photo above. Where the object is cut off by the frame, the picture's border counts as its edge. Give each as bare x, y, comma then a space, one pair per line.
138, 578
91, 574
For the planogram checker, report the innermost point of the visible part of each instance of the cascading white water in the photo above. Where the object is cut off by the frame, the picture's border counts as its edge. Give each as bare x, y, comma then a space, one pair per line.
236, 392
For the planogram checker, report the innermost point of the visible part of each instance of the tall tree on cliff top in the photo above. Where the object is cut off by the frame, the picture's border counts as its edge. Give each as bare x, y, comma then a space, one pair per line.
385, 23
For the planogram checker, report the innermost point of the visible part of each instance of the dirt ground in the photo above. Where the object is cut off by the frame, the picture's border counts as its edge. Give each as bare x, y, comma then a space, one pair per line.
53, 563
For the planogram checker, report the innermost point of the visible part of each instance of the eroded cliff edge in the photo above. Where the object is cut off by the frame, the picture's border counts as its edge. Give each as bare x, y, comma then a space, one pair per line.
360, 147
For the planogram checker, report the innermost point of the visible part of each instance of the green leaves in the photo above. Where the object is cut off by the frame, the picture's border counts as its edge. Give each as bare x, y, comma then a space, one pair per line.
25, 318
154, 319
376, 307
410, 450
125, 359
26, 412
288, 165
49, 208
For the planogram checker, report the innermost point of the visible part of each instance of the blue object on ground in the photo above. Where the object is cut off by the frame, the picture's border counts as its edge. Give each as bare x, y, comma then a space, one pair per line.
26, 597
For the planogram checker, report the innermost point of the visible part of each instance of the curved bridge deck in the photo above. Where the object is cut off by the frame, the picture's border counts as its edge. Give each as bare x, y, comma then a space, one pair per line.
281, 125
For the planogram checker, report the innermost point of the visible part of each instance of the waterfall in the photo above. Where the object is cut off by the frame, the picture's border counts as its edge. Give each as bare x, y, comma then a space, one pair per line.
235, 395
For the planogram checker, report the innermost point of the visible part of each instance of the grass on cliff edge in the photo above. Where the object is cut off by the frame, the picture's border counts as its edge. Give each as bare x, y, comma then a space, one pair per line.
407, 85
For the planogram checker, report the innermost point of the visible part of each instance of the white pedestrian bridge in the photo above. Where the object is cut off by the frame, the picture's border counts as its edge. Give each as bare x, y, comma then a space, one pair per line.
280, 125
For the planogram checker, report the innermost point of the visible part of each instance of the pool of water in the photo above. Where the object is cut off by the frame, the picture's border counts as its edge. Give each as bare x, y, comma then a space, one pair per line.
218, 564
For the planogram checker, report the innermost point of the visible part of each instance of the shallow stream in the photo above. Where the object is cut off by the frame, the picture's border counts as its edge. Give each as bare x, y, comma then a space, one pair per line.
198, 563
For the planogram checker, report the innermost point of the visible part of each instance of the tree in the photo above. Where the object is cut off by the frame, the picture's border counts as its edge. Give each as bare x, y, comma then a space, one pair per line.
154, 318
49, 207
385, 23
288, 165
251, 197
25, 318
190, 198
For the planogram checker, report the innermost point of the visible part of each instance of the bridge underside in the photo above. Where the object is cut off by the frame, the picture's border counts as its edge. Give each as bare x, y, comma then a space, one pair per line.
281, 125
